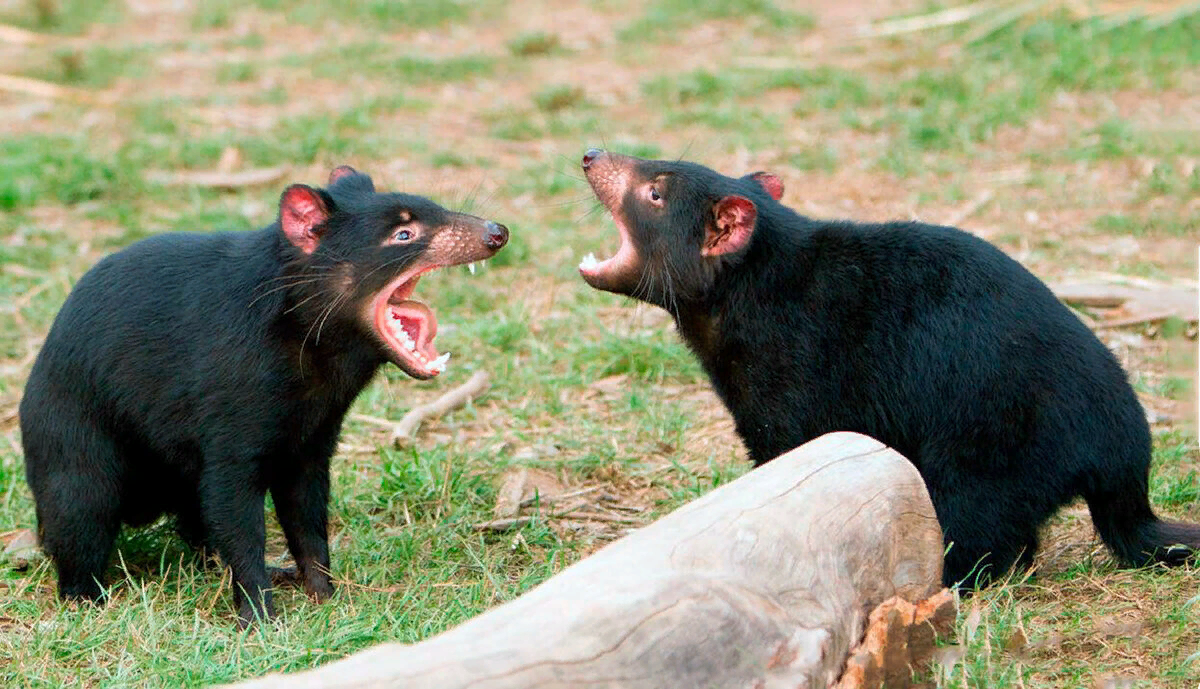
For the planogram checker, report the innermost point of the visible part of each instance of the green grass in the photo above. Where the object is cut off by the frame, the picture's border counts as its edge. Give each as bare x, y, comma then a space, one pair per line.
385, 15
1172, 224
96, 67
484, 107
664, 17
60, 169
535, 43
557, 97
62, 16
382, 62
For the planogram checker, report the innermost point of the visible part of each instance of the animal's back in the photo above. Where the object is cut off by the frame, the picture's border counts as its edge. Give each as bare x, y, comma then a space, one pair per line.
134, 342
917, 335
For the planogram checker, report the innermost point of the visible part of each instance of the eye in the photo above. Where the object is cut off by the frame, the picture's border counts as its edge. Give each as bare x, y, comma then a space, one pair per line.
654, 194
402, 235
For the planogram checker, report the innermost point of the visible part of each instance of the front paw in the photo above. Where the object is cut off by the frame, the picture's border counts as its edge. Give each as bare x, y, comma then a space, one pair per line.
319, 586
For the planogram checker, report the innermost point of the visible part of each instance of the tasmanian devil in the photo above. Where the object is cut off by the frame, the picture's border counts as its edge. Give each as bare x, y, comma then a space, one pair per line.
189, 374
924, 337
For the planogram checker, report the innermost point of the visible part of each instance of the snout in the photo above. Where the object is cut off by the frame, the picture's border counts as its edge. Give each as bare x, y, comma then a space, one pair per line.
590, 156
495, 235
608, 173
466, 238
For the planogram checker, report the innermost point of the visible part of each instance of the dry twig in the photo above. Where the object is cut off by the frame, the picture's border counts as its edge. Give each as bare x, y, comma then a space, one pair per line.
405, 430
46, 89
1134, 320
13, 34
217, 178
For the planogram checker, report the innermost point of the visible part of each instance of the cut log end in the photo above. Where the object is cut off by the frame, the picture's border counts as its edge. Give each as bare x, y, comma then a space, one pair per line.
900, 643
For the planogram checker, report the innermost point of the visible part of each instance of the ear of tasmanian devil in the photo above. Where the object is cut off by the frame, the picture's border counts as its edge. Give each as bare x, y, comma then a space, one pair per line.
771, 183
302, 213
340, 172
733, 223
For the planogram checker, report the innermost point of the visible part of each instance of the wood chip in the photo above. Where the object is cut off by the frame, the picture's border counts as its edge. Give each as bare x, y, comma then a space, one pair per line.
544, 499
503, 524
1143, 302
21, 548
1135, 320
508, 499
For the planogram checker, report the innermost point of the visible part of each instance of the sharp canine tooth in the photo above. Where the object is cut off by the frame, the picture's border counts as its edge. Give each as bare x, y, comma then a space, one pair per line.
471, 267
439, 364
588, 261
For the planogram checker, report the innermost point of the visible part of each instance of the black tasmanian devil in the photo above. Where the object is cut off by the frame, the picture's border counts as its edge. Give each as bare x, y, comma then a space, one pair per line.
924, 337
191, 373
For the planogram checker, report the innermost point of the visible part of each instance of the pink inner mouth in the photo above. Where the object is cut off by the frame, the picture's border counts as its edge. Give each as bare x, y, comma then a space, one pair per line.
407, 326
620, 262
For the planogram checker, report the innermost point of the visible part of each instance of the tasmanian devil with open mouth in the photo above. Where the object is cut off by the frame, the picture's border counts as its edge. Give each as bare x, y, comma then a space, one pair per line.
191, 373
925, 337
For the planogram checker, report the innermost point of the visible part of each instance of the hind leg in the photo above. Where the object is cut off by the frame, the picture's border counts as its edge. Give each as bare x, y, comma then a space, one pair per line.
77, 492
985, 536
189, 524
232, 505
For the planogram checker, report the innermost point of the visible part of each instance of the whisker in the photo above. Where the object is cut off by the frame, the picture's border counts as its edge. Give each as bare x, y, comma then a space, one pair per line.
278, 288
387, 264
594, 209
336, 303
567, 202
305, 300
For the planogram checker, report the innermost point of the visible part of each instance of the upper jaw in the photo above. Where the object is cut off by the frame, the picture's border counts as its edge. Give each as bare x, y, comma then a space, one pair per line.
407, 327
609, 175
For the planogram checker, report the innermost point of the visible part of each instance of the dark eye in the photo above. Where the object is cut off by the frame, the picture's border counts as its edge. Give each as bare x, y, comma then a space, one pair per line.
402, 235
654, 194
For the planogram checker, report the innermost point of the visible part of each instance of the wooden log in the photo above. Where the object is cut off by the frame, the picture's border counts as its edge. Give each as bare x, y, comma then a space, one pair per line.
766, 582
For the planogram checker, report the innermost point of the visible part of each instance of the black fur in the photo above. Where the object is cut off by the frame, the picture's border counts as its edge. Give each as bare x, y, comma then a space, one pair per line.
190, 373
924, 337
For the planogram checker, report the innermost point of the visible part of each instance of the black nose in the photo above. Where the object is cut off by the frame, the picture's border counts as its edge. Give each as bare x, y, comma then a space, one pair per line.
591, 155
497, 235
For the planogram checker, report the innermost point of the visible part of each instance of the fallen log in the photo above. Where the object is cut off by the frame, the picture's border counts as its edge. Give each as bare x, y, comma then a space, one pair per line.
767, 581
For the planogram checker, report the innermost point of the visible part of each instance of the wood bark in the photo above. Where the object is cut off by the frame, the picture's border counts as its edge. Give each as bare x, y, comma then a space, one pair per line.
764, 582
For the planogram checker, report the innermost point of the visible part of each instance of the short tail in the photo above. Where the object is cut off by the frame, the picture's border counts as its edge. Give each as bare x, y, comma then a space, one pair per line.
1128, 526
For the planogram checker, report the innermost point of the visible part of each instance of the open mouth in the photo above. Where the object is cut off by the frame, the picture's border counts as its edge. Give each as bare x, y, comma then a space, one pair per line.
604, 274
408, 326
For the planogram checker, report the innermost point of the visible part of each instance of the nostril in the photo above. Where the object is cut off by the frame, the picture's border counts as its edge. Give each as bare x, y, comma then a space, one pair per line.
591, 155
497, 235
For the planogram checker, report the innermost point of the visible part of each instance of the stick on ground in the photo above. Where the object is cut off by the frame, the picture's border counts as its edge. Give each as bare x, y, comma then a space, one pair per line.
405, 430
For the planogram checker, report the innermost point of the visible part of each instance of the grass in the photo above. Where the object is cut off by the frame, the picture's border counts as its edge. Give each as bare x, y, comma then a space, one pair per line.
384, 15
662, 17
488, 107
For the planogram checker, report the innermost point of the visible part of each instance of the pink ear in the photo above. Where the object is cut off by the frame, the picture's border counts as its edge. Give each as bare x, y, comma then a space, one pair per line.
733, 223
301, 214
341, 171
771, 183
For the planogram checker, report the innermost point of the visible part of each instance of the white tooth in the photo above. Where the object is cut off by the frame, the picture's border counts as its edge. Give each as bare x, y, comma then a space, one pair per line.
412, 346
588, 261
439, 364
471, 267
